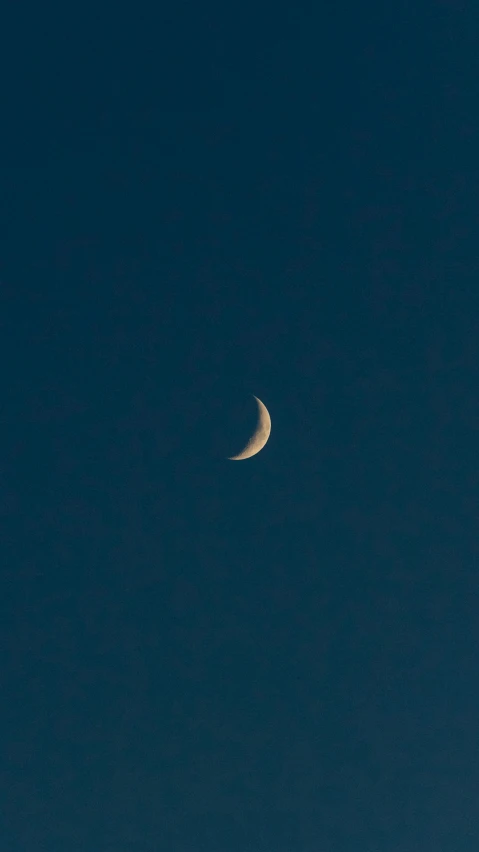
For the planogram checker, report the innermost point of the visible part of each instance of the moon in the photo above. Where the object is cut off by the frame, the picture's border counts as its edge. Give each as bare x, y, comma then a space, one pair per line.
260, 435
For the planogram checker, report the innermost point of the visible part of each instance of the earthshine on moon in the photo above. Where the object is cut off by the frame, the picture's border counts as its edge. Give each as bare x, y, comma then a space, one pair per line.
259, 436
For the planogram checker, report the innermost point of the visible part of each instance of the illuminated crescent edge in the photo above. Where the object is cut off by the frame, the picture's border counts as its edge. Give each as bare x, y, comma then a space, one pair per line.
259, 436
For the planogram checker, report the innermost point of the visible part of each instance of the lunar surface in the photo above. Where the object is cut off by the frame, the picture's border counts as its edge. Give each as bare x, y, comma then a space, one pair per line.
260, 435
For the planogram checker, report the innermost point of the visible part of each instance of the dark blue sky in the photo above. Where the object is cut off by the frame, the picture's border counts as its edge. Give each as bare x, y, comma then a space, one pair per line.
198, 205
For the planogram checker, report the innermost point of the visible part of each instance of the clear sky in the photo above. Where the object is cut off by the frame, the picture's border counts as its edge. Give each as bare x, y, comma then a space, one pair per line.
198, 205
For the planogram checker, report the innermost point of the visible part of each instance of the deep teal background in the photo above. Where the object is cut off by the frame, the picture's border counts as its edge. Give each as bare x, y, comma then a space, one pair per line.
198, 204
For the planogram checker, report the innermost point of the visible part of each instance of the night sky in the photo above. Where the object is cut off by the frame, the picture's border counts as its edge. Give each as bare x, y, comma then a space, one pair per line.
198, 204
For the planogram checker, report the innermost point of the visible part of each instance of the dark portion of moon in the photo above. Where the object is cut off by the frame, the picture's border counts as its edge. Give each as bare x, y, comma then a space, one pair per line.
259, 436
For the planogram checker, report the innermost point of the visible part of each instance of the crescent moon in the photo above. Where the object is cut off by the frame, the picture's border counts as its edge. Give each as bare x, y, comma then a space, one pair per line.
259, 436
